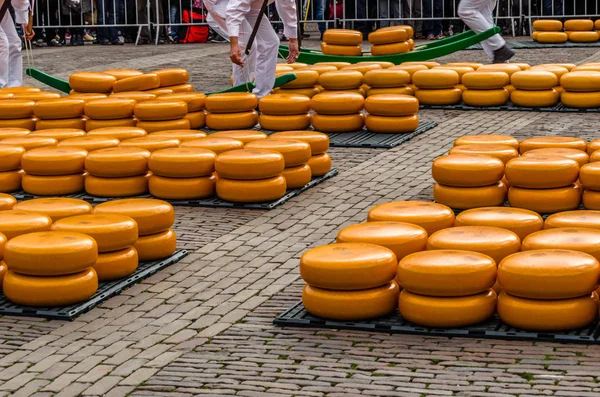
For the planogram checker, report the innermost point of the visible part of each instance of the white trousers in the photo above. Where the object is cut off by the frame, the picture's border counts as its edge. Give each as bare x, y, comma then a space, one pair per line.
266, 50
478, 15
11, 61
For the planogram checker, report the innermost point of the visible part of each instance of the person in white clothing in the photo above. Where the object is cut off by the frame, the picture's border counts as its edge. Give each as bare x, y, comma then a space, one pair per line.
477, 14
11, 60
242, 14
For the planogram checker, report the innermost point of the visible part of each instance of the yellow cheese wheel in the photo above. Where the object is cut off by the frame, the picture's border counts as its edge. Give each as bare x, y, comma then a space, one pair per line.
597, 24
581, 100
294, 152
110, 108
308, 92
391, 105
29, 142
231, 102
338, 65
546, 201
63, 108
78, 123
591, 199
534, 80
411, 69
519, 221
580, 156
7, 202
53, 185
435, 78
568, 238
447, 312
54, 160
430, 216
182, 162
142, 82
231, 121
182, 188
485, 97
91, 125
117, 264
391, 124
338, 123
588, 175
473, 65
484, 139
579, 218
341, 50
10, 181
151, 143
337, 103
60, 133
320, 68
568, 66
87, 97
470, 197
138, 96
319, 142
2, 264
160, 91
304, 79
23, 89
117, 162
587, 67
89, 143
450, 96
28, 123
390, 91
251, 191
320, 164
508, 68
467, 170
592, 147
196, 119
345, 37
160, 110
542, 98
552, 142
156, 246
363, 68
388, 36
296, 177
390, 49
215, 144
249, 164
557, 70
112, 232
284, 104
10, 157
485, 80
579, 25
182, 135
552, 37
14, 223
297, 65
350, 305
582, 81
155, 126
50, 291
195, 100
38, 96
152, 216
547, 25
280, 123
172, 76
13, 132
16, 109
548, 315
121, 74
542, 171
245, 136
461, 70
117, 187
92, 82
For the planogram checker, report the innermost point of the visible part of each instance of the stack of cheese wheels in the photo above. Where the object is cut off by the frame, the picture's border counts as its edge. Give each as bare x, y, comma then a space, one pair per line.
342, 80
544, 184
390, 40
117, 172
548, 31
109, 112
581, 31
342, 42
534, 88
388, 81
485, 88
588, 176
17, 113
284, 112
54, 171
349, 281
56, 208
50, 268
182, 173
391, 113
437, 87
296, 155
430, 216
231, 111
162, 115
59, 113
581, 89
154, 220
195, 103
250, 175
466, 181
10, 168
337, 111
305, 83
320, 161
115, 235
447, 288
548, 289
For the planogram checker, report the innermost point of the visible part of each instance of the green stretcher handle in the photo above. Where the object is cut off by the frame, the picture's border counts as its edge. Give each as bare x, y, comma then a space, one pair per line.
421, 53
52, 81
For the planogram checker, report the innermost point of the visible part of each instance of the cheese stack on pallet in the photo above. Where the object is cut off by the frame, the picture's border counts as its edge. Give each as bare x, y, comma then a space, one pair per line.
115, 235
284, 112
342, 42
250, 175
10, 168
154, 220
337, 111
391, 113
305, 83
182, 173
231, 111
162, 115
581, 89
391, 40
54, 171
548, 289
109, 112
581, 31
320, 161
534, 88
59, 113
437, 87
195, 103
342, 80
17, 113
465, 181
349, 281
388, 81
50, 268
485, 88
117, 172
549, 31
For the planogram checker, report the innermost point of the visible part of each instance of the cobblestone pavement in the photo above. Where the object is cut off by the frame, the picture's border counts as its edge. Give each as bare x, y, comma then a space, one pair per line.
203, 326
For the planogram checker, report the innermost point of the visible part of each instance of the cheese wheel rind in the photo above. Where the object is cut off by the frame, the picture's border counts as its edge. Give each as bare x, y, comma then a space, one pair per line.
552, 142
319, 142
547, 25
284, 104
182, 162
470, 197
63, 108
92, 82
14, 223
10, 157
54, 161
297, 177
448, 96
467, 170
160, 110
338, 123
117, 162
117, 264
341, 50
542, 172
56, 208
60, 185
540, 98
151, 143
580, 156
294, 152
430, 216
281, 123
485, 80
249, 164
156, 246
344, 37
534, 80
182, 188
231, 121
337, 103
142, 82
319, 164
341, 80
520, 221
110, 108
436, 78
391, 105
546, 201
117, 187
215, 144
251, 191
231, 102
485, 97
567, 238
151, 215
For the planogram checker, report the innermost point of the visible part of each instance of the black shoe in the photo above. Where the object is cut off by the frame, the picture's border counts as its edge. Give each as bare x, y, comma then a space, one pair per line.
502, 55
217, 39
117, 42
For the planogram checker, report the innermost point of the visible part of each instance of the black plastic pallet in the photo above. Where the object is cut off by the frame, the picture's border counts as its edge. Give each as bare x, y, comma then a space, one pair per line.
510, 107
213, 202
105, 290
530, 44
297, 316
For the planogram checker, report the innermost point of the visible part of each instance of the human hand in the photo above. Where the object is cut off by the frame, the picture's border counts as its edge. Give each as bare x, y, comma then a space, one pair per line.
28, 31
294, 51
235, 53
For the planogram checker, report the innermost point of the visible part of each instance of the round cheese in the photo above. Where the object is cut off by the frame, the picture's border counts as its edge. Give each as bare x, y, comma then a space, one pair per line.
502, 140
547, 25
22, 89
388, 36
541, 171
390, 49
580, 156
450, 96
485, 97
117, 187
519, 221
542, 98
231, 121
56, 208
411, 69
110, 108
214, 144
470, 197
10, 157
534, 80
13, 132
116, 265
436, 78
117, 162
38, 96
294, 152
405, 90
319, 142
284, 104
160, 110
391, 105
557, 70
14, 223
546, 201
172, 76
588, 175
251, 191
91, 125
78, 123
304, 79
429, 64
580, 100
182, 162
249, 164
552, 37
473, 65
430, 216
485, 80
245, 136
467, 170
552, 142
387, 78
142, 82
138, 96
7, 202
151, 143
320, 164
338, 123
195, 100
579, 218
591, 199
582, 81
92, 82
508, 68
579, 25
63, 108
344, 37
196, 119
121, 74
461, 70
53, 185
89, 143
280, 123
10, 181
337, 103
182, 188
341, 80
317, 68
156, 246
60, 133
87, 97
341, 50
309, 92
390, 124
54, 160
155, 126
181, 135
568, 238
152, 216
296, 177
338, 65
27, 124
231, 102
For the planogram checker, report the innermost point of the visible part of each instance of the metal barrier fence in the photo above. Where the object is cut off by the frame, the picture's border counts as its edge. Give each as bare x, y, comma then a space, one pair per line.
149, 19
